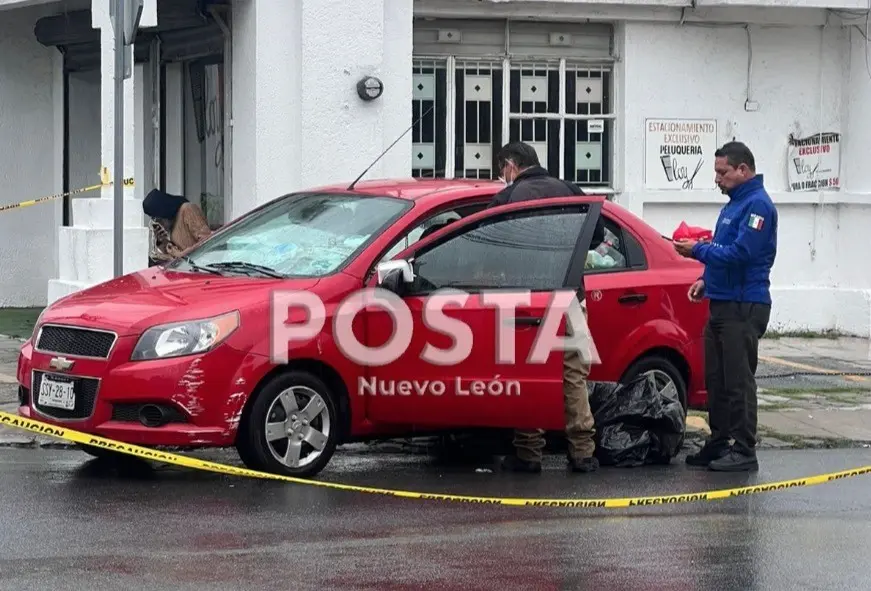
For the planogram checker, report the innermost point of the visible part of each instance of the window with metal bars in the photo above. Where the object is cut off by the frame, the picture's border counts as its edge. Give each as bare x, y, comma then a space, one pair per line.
465, 109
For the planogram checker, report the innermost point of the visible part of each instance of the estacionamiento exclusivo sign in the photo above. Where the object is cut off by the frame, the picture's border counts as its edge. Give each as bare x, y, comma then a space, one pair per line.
679, 154
814, 162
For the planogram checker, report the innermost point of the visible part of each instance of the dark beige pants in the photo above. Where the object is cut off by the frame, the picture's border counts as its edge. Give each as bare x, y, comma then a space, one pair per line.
580, 427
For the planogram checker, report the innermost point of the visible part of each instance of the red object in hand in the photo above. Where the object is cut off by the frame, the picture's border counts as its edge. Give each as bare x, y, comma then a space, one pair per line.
685, 232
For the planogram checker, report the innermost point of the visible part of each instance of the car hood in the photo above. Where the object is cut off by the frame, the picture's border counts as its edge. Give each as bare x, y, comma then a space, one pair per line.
132, 303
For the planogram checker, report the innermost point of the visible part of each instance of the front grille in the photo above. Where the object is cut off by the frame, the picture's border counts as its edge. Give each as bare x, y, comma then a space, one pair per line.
83, 342
86, 395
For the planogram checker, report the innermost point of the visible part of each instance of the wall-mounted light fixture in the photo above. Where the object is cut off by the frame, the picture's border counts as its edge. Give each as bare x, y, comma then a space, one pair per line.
370, 88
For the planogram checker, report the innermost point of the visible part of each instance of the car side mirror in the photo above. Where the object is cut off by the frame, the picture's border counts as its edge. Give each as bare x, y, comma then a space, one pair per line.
398, 268
393, 275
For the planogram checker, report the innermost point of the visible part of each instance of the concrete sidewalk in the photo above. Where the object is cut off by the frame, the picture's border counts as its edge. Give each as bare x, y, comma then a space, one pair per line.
813, 393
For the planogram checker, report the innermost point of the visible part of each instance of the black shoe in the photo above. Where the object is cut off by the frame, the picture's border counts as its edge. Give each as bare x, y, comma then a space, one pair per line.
584, 464
735, 461
515, 464
707, 454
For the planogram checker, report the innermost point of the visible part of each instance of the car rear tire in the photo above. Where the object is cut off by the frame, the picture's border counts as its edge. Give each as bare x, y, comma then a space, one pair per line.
292, 427
666, 376
664, 372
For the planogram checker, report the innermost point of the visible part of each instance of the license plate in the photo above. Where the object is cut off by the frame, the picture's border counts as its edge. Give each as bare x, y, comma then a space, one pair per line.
56, 393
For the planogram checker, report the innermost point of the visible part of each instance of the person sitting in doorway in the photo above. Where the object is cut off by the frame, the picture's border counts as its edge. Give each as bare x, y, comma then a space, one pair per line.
176, 223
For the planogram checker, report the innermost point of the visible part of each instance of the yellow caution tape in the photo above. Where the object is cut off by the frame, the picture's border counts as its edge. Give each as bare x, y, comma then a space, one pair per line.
104, 182
10, 420
49, 198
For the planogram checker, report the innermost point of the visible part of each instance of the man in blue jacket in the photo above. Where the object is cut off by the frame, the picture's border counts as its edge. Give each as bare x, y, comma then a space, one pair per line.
736, 282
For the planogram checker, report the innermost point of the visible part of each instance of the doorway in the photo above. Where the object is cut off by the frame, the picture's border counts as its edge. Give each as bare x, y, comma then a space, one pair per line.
204, 137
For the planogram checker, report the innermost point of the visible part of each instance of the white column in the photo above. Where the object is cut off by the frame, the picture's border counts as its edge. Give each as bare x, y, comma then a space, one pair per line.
86, 249
267, 89
297, 119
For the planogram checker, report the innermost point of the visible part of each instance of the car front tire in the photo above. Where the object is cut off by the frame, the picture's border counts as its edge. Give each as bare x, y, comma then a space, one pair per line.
292, 427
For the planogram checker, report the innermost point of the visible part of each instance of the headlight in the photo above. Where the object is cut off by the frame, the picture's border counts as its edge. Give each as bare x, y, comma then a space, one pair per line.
36, 325
185, 338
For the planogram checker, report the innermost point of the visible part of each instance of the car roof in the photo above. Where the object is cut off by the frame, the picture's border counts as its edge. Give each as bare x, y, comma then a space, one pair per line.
424, 190
412, 188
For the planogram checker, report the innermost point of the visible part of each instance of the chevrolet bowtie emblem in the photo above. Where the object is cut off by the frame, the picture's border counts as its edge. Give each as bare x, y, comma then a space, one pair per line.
61, 363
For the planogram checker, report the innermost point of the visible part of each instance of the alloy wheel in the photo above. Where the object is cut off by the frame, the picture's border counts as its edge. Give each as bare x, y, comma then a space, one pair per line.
297, 426
664, 384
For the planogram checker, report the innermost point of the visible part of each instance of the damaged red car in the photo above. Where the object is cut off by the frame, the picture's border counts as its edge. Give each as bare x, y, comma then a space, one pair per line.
182, 354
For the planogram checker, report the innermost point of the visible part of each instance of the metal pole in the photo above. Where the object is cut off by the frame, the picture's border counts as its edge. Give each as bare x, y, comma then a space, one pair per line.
118, 176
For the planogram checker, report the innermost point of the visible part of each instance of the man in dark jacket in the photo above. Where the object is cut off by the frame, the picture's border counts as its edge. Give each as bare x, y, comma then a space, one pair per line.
519, 167
736, 281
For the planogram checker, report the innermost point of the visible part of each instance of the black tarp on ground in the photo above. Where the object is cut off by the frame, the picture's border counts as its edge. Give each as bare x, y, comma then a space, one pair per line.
635, 423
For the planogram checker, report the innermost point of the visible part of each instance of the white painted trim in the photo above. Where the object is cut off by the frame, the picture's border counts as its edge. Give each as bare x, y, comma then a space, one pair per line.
562, 118
618, 125
450, 115
812, 13
506, 104
558, 117
598, 190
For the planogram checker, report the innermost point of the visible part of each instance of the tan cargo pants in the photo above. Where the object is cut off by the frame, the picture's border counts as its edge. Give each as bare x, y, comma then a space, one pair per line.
580, 426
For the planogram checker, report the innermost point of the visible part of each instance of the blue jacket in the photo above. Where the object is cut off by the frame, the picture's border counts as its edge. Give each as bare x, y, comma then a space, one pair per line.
738, 260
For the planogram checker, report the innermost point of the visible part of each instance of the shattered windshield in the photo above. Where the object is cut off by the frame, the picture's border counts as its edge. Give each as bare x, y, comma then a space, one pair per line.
305, 235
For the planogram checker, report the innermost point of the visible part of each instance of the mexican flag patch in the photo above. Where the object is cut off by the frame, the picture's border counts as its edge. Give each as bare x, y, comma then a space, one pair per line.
756, 221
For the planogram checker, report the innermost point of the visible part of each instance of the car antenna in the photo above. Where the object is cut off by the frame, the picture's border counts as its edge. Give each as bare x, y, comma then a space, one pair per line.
362, 174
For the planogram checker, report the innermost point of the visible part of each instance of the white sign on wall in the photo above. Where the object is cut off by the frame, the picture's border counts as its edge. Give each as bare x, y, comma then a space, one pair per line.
679, 154
814, 162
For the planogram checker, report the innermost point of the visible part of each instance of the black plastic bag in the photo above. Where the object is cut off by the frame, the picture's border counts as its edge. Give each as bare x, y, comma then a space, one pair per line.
635, 423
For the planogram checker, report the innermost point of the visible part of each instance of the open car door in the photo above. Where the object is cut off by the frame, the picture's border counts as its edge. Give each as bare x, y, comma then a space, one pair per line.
523, 253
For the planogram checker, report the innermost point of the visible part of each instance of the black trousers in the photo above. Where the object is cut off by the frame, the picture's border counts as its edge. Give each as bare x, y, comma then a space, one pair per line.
731, 355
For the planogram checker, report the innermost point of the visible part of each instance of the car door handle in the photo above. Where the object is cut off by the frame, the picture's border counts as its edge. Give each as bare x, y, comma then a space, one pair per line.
525, 320
630, 298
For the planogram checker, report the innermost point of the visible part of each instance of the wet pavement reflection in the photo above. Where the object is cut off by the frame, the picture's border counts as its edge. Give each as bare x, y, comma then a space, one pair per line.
70, 522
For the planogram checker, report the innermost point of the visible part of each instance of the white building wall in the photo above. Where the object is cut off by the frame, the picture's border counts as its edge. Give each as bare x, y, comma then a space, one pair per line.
802, 80
298, 120
31, 158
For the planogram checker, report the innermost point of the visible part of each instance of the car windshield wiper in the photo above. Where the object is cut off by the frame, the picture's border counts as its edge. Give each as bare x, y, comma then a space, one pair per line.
197, 267
243, 266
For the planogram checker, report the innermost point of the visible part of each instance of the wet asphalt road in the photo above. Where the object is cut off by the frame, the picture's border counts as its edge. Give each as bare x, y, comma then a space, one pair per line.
68, 522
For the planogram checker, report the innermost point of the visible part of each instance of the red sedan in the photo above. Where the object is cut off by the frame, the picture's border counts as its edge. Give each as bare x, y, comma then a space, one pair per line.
196, 353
